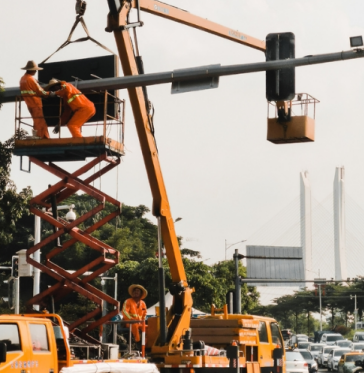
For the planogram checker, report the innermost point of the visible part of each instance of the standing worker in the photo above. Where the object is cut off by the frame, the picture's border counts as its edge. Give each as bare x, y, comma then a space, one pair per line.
75, 103
32, 92
134, 308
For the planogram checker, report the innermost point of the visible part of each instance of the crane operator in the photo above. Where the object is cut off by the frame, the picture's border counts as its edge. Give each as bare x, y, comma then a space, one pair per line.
134, 308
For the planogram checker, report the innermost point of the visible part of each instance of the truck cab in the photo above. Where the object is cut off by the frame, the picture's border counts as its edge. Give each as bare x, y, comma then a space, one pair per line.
27, 344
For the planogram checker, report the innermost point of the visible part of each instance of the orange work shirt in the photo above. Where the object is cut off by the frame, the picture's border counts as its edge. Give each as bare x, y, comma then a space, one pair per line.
72, 96
31, 91
133, 311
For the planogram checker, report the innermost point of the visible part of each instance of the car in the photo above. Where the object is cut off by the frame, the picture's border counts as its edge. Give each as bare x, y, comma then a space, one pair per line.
286, 334
347, 362
314, 348
322, 355
319, 334
303, 345
358, 337
330, 339
357, 346
312, 364
334, 357
344, 344
295, 363
295, 339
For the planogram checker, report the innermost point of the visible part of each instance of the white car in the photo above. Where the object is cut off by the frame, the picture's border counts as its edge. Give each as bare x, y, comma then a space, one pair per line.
314, 348
322, 356
295, 363
334, 357
330, 339
357, 347
344, 344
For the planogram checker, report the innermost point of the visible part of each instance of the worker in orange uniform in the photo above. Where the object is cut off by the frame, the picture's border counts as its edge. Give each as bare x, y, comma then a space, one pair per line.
74, 100
134, 308
32, 92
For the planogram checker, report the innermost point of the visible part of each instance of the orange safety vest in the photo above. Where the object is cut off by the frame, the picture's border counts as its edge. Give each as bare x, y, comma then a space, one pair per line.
133, 311
72, 96
31, 91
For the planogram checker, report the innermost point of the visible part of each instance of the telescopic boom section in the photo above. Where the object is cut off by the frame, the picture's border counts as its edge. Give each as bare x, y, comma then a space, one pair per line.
181, 16
161, 206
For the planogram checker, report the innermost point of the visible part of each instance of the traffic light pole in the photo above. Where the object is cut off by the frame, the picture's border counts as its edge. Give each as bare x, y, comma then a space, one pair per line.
196, 73
16, 300
200, 72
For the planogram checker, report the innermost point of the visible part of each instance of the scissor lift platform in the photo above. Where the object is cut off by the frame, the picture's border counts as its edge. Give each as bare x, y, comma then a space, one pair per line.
68, 149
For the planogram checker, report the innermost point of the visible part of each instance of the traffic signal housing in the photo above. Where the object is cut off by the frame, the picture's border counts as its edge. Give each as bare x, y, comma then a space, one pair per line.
15, 266
280, 83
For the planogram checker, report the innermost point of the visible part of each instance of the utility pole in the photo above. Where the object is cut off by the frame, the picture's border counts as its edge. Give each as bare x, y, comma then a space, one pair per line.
355, 310
320, 307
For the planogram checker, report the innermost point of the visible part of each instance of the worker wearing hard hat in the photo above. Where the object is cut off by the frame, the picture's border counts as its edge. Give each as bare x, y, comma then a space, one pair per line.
75, 104
32, 94
134, 308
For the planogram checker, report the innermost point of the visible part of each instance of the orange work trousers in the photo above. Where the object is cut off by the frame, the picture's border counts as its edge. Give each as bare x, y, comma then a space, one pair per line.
40, 124
79, 118
136, 329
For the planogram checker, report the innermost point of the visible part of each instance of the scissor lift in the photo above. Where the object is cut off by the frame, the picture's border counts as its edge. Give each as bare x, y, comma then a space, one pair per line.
106, 154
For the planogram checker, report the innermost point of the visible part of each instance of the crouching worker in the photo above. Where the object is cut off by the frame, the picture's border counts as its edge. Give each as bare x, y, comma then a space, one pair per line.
134, 308
76, 106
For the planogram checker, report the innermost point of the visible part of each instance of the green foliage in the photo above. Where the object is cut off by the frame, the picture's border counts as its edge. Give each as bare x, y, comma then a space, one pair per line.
211, 283
291, 310
135, 237
13, 205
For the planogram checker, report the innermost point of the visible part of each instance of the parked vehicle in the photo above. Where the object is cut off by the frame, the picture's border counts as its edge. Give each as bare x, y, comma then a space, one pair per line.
319, 334
347, 362
334, 357
314, 348
358, 337
303, 345
322, 356
312, 364
330, 339
295, 363
344, 344
357, 346
286, 334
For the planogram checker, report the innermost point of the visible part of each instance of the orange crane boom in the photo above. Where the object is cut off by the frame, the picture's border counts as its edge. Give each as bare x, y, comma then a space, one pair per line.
182, 16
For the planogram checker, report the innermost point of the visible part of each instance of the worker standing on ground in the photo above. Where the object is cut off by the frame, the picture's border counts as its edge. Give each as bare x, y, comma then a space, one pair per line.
135, 309
75, 103
32, 92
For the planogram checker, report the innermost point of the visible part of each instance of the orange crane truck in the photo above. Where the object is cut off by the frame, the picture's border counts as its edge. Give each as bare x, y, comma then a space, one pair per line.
249, 343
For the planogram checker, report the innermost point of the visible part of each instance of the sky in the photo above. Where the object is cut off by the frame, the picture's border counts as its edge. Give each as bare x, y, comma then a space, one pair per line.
223, 178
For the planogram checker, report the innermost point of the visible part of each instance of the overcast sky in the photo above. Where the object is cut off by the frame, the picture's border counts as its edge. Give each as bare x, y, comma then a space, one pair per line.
223, 178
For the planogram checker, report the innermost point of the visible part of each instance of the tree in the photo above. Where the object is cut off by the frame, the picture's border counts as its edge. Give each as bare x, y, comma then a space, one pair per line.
13, 205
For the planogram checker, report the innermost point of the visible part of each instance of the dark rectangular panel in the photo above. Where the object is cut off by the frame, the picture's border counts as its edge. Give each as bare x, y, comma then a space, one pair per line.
103, 67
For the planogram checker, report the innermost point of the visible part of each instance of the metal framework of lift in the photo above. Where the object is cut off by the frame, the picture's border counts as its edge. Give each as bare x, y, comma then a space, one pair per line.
104, 155
109, 257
